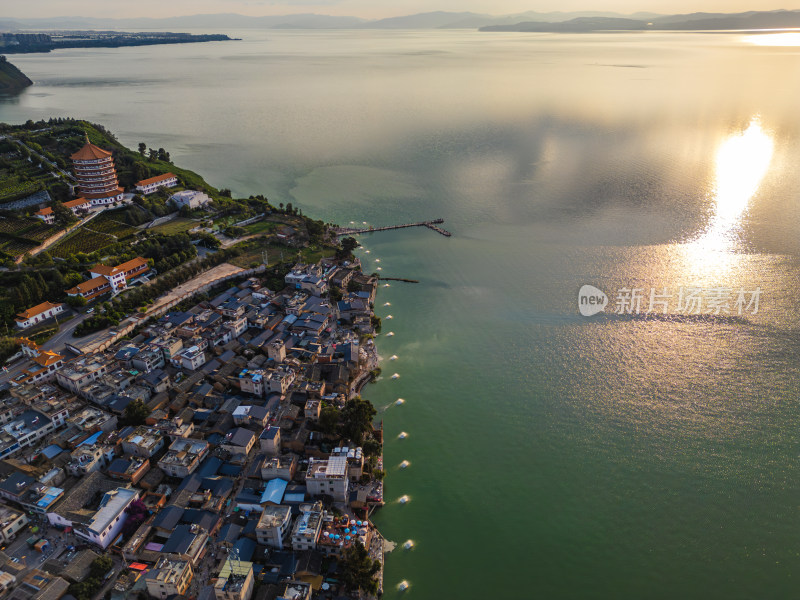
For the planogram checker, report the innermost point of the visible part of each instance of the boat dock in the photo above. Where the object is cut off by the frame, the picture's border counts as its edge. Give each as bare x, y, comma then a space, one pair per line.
429, 224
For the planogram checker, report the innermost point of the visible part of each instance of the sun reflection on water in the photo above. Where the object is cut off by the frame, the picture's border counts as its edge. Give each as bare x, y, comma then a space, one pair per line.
787, 38
742, 161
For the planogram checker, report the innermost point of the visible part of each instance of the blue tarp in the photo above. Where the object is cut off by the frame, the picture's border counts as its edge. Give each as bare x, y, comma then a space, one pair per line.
91, 439
274, 491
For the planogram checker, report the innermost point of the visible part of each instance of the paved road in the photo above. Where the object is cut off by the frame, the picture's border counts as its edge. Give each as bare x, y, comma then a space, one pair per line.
64, 335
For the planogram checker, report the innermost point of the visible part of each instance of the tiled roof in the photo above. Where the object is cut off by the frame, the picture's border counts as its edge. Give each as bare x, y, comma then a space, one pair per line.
76, 202
36, 310
87, 286
45, 211
132, 264
90, 152
155, 179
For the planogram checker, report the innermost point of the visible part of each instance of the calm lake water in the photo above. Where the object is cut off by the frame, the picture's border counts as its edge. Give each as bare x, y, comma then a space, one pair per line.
552, 455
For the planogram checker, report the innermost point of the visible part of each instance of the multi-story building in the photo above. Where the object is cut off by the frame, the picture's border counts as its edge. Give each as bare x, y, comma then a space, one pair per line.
27, 429
274, 526
183, 457
151, 184
239, 441
279, 467
79, 373
191, 358
100, 526
11, 522
235, 581
307, 527
96, 175
105, 279
38, 314
87, 459
171, 577
253, 382
143, 442
328, 477
270, 440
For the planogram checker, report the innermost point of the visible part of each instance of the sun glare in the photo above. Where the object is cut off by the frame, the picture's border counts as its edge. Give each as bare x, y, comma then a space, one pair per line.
742, 161
788, 38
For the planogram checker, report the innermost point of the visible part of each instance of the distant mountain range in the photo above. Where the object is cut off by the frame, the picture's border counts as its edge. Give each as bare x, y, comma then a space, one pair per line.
528, 21
777, 19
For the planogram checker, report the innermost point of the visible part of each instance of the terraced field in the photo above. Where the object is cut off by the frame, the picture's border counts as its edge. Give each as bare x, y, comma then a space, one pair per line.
82, 240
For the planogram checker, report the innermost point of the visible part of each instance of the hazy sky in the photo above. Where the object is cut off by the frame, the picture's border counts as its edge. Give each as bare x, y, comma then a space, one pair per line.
365, 8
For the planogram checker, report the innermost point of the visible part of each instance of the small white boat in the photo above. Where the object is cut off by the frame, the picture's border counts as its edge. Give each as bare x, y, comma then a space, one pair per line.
403, 499
408, 545
377, 260
399, 402
403, 435
367, 251
389, 317
405, 464
378, 269
386, 285
393, 357
390, 334
387, 303
396, 376
402, 586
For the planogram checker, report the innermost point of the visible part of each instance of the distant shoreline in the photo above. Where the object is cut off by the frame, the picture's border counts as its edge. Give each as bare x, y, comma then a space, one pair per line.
28, 43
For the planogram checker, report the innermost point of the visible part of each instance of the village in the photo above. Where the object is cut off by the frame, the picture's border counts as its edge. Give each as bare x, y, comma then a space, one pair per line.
217, 447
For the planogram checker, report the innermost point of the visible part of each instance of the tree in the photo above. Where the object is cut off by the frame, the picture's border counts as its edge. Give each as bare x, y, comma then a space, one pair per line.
62, 214
347, 244
152, 154
135, 413
356, 419
329, 420
142, 148
335, 293
357, 570
76, 301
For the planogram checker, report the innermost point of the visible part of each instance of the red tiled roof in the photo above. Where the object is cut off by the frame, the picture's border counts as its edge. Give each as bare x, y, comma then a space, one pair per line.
90, 152
47, 358
104, 270
155, 179
78, 202
134, 263
45, 211
35, 310
87, 286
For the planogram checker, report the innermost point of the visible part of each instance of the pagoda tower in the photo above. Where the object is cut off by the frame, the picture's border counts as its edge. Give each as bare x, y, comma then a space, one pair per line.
96, 175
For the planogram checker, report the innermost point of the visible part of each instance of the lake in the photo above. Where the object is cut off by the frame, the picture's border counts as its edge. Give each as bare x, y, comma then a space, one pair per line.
552, 455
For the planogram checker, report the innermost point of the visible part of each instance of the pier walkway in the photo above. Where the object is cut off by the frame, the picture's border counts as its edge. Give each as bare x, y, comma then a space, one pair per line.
429, 224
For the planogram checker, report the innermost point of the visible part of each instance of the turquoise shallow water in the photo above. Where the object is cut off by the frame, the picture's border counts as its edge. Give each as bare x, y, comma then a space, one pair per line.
551, 455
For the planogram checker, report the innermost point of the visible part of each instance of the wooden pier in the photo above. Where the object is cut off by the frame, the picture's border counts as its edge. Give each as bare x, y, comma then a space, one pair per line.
429, 224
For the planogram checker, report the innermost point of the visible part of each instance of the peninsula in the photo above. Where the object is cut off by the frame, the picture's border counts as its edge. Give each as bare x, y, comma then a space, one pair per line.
12, 80
182, 397
19, 43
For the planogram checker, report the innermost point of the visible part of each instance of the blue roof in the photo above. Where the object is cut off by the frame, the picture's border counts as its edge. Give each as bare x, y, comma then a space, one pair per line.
274, 491
209, 467
246, 547
91, 439
229, 469
52, 451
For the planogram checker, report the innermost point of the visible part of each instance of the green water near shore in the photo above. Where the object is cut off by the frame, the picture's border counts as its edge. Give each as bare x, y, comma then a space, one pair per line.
551, 455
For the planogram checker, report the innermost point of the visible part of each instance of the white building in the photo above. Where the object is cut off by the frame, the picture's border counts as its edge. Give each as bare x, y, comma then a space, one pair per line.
274, 526
11, 522
307, 527
150, 185
190, 198
191, 359
38, 314
29, 428
104, 525
183, 457
328, 477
